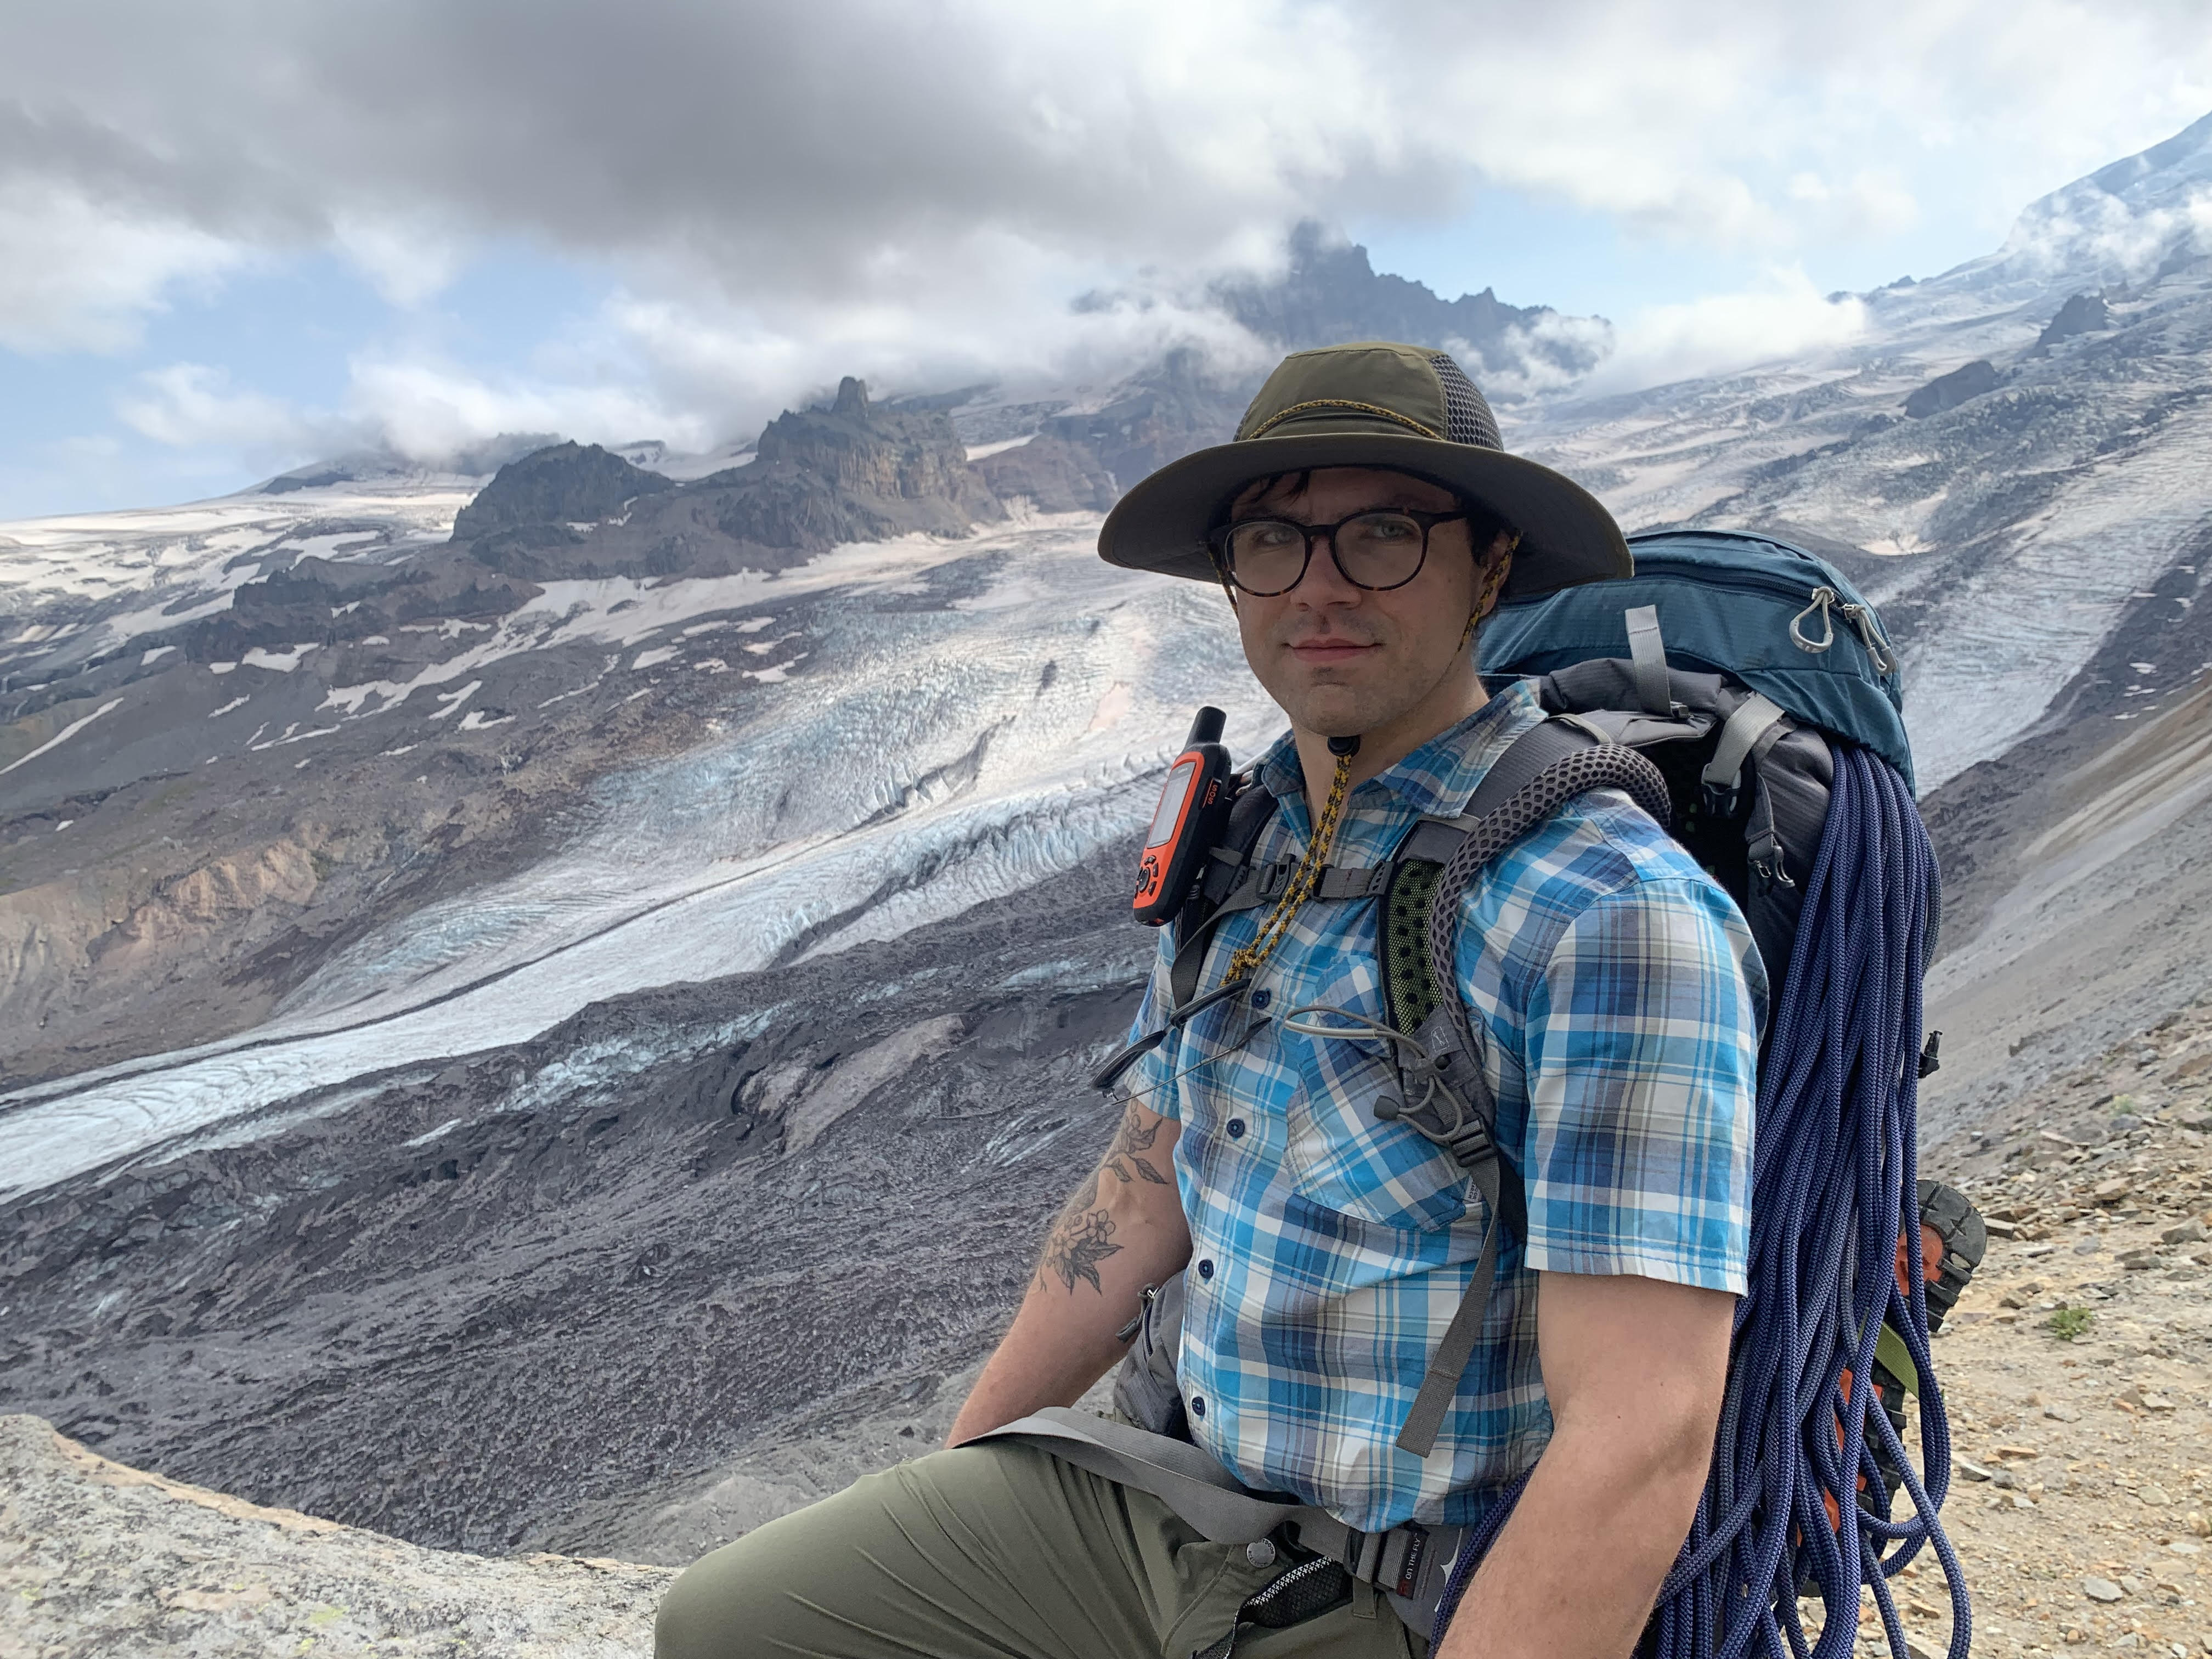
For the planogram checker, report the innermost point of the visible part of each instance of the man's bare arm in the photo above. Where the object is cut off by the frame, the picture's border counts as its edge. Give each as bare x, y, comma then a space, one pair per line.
1634, 1369
1122, 1230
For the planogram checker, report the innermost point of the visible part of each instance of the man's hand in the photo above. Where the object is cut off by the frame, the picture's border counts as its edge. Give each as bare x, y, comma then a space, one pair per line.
1634, 1370
1122, 1230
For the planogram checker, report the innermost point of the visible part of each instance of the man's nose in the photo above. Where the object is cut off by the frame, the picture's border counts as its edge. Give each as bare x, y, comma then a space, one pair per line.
1322, 582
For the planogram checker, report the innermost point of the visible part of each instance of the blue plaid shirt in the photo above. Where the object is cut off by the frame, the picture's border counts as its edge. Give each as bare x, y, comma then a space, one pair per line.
1620, 998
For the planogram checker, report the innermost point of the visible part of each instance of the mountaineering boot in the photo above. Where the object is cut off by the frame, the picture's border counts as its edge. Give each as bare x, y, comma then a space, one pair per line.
1952, 1241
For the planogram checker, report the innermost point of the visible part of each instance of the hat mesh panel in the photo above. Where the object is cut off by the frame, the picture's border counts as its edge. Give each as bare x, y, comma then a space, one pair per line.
1467, 419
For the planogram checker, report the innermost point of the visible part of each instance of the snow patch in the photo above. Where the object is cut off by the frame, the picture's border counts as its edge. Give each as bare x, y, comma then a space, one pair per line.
61, 737
453, 700
283, 661
292, 734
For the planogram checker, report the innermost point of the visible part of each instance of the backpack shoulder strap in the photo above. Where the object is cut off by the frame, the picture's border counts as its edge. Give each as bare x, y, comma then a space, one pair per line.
1410, 992
1224, 890
1546, 767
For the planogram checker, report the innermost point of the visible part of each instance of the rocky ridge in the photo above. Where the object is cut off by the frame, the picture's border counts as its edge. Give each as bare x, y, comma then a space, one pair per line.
97, 1560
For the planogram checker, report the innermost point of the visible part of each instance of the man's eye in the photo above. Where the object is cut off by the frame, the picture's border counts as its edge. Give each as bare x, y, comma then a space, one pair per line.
1260, 535
1389, 529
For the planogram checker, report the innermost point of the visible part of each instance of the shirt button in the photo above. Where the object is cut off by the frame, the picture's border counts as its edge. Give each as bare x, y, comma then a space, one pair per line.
1205, 1269
1236, 1128
1198, 1405
1262, 998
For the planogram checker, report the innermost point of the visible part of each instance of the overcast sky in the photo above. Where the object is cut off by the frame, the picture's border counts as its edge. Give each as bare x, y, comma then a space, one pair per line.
237, 235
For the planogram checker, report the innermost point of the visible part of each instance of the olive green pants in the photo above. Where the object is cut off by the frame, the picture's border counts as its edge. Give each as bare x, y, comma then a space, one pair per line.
997, 1550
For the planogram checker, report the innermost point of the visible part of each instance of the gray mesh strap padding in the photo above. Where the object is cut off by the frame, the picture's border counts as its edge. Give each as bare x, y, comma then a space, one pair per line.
1467, 419
1647, 648
1603, 766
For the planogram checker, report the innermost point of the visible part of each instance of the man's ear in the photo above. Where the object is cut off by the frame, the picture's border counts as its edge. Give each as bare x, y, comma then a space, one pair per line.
1495, 571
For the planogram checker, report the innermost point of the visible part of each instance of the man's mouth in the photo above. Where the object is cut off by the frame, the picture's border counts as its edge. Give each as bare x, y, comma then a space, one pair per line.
1328, 648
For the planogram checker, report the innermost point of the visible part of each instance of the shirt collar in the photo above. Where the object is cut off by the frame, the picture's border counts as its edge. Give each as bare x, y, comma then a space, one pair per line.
1437, 779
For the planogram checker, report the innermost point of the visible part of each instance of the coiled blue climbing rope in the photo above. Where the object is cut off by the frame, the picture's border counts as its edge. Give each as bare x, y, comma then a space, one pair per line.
1802, 1435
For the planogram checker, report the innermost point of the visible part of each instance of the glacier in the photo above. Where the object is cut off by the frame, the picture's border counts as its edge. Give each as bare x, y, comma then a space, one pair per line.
953, 754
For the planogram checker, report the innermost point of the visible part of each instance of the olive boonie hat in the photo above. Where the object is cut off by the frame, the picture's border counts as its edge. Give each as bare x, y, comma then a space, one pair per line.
1380, 404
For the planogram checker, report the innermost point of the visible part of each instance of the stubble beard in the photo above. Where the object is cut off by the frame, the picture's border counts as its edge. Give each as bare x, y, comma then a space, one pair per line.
1354, 699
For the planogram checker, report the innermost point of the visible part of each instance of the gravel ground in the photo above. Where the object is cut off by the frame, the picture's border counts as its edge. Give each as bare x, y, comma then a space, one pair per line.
2078, 1366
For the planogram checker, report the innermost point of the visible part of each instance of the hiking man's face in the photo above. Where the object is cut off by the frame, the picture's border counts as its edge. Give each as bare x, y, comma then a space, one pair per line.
1340, 660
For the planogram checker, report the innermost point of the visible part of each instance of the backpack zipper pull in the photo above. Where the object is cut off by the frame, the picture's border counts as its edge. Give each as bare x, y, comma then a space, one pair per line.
1878, 653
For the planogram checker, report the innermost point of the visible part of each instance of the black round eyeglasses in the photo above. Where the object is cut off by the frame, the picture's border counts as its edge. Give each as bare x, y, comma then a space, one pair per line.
1378, 550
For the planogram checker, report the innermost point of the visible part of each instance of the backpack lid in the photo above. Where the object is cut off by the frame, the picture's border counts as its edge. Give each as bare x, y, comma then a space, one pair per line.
1750, 606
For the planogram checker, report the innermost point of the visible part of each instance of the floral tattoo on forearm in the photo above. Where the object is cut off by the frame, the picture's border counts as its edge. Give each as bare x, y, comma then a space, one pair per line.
1081, 1239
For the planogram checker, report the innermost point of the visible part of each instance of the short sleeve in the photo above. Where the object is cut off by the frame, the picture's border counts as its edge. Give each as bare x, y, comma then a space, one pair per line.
1149, 1081
1641, 1051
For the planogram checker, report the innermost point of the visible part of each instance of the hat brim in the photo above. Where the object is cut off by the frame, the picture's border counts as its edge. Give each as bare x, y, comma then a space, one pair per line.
1567, 538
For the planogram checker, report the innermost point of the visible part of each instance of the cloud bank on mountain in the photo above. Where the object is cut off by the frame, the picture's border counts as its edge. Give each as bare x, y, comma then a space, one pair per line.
777, 195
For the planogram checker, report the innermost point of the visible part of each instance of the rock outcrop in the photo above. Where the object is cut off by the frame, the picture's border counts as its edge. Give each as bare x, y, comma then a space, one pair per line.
851, 471
1949, 391
97, 1559
2085, 313
1052, 474
563, 483
1332, 294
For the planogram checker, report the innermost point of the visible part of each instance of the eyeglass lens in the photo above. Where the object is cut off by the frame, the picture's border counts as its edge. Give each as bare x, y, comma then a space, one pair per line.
1374, 549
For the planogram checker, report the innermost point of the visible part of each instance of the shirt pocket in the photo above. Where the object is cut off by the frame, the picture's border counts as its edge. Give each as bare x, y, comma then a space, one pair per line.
1342, 1157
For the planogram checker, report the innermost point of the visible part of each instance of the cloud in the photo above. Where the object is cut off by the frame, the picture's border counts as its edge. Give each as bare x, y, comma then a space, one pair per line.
429, 411
78, 274
835, 149
1722, 332
406, 260
780, 194
191, 406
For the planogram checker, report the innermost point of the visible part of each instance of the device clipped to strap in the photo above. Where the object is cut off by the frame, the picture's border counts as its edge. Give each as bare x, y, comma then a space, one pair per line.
1194, 804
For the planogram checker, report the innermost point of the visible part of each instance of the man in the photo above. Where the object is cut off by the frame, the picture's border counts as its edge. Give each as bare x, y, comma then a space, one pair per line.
1362, 521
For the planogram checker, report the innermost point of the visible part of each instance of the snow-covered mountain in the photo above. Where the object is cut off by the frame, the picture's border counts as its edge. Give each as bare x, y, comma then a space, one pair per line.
455, 914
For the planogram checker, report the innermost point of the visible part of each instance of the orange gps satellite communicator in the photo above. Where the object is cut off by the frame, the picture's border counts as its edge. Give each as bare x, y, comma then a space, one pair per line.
1193, 803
